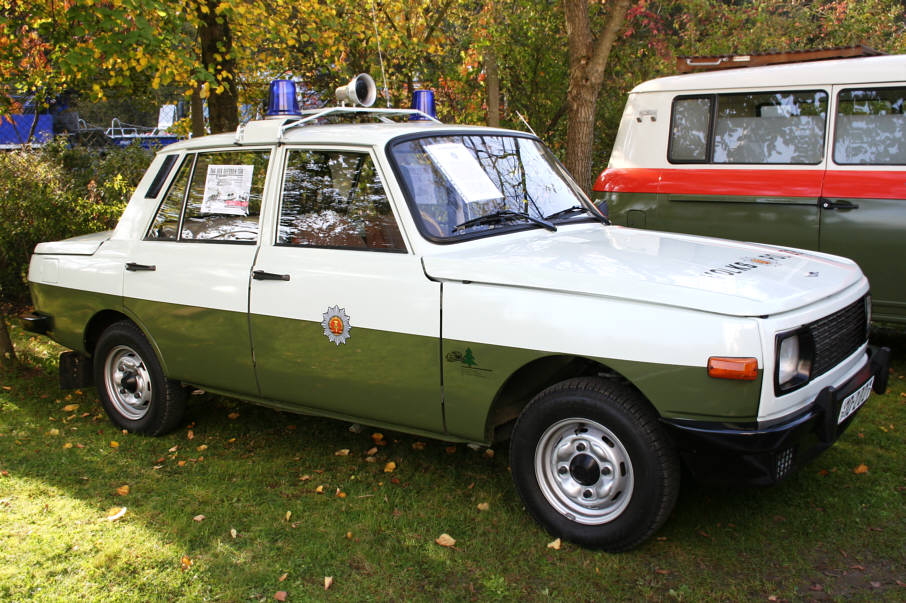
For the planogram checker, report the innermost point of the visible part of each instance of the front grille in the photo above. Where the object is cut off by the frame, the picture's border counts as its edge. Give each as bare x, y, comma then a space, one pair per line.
838, 336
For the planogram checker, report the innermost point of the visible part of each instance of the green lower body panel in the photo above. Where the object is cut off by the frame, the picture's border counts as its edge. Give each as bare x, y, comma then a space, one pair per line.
71, 310
377, 375
203, 346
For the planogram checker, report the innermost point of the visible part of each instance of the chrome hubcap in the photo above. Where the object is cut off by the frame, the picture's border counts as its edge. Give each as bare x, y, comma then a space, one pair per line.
584, 471
128, 382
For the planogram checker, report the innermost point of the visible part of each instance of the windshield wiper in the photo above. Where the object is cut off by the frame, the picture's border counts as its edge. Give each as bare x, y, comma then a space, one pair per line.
574, 209
504, 215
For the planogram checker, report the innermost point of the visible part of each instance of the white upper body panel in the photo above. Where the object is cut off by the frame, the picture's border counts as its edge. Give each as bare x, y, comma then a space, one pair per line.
712, 275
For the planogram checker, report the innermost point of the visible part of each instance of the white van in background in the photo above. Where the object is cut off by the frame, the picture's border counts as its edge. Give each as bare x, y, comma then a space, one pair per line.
809, 155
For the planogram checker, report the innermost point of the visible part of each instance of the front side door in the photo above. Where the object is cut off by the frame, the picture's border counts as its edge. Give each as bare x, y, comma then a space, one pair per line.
863, 213
343, 318
186, 282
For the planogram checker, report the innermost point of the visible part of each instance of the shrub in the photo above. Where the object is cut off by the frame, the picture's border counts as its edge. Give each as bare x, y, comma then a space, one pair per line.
55, 193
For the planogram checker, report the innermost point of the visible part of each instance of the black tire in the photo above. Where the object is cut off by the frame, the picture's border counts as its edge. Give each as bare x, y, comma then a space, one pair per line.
593, 464
131, 384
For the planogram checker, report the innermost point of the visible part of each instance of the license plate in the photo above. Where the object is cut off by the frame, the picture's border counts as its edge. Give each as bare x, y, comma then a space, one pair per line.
856, 399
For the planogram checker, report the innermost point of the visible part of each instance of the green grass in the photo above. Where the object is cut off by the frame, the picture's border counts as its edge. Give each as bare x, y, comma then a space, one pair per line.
827, 532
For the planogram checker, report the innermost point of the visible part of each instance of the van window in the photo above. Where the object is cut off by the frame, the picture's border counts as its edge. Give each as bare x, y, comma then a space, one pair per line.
871, 127
751, 128
689, 129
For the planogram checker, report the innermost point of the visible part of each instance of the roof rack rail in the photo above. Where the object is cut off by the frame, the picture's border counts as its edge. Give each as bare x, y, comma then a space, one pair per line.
685, 64
311, 115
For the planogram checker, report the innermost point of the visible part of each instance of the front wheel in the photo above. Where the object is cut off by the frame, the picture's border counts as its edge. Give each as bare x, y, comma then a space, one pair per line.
593, 465
131, 384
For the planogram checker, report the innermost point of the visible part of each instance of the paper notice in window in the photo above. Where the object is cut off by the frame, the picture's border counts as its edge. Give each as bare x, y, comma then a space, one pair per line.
463, 171
227, 189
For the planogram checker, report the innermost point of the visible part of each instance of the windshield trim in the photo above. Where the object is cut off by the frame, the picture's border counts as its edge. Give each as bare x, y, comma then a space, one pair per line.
507, 228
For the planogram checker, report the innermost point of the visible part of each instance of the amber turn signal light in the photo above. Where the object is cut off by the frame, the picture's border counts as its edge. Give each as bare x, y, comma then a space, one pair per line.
743, 369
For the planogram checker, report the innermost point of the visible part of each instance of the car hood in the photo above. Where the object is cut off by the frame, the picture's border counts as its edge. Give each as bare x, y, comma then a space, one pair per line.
714, 275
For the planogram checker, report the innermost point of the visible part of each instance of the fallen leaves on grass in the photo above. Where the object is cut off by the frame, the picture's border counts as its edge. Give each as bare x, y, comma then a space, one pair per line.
198, 518
862, 468
378, 438
319, 490
54, 432
418, 445
190, 435
554, 544
71, 407
483, 506
371, 451
233, 416
114, 444
282, 577
202, 447
450, 449
328, 582
390, 467
280, 595
122, 490
342, 452
185, 563
67, 445
663, 572
233, 533
489, 453
288, 515
445, 540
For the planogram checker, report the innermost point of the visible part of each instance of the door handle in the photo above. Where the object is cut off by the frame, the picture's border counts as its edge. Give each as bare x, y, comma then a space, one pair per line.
844, 205
261, 275
133, 267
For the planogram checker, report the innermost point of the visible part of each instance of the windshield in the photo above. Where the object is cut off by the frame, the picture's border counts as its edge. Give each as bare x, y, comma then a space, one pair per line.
453, 181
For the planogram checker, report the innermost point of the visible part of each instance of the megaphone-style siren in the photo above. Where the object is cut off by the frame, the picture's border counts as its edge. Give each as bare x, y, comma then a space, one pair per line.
360, 90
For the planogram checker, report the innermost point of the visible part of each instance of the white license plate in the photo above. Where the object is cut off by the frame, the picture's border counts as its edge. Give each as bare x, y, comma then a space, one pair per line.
856, 399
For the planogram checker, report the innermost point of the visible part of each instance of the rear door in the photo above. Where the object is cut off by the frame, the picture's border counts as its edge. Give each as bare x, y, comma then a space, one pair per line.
343, 318
186, 281
863, 213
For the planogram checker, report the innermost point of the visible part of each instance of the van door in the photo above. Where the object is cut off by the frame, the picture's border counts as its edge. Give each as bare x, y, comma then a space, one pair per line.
343, 318
745, 166
863, 205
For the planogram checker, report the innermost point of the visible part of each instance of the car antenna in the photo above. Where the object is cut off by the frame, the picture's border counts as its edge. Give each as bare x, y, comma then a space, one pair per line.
518, 114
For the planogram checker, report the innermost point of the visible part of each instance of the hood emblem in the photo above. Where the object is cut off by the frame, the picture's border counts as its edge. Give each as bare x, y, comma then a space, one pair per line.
812, 274
336, 325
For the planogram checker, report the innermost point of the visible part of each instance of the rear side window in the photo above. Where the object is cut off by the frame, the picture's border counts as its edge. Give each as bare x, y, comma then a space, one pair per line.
870, 127
161, 177
752, 128
215, 197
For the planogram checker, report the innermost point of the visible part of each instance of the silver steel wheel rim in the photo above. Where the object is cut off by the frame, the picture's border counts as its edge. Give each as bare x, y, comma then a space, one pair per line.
128, 382
584, 471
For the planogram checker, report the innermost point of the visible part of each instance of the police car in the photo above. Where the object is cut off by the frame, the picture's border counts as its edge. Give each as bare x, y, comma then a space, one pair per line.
454, 282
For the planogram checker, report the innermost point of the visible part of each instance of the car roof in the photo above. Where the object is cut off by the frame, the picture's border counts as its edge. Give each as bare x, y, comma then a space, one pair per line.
267, 132
878, 69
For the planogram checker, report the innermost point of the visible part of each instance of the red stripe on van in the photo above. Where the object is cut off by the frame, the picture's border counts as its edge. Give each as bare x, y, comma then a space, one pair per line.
698, 181
634, 180
863, 184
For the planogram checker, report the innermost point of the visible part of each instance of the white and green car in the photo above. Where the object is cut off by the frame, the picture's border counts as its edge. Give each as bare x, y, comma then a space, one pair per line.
454, 282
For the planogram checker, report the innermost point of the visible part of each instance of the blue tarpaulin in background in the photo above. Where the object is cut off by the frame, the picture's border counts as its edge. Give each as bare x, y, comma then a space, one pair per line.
15, 133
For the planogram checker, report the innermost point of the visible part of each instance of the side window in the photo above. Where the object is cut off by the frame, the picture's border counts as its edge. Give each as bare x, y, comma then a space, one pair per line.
335, 199
161, 176
224, 199
165, 226
689, 129
756, 128
871, 127
772, 127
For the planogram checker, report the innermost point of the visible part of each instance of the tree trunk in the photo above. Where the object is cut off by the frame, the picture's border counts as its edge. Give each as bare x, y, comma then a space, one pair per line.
493, 83
216, 38
7, 353
197, 111
587, 63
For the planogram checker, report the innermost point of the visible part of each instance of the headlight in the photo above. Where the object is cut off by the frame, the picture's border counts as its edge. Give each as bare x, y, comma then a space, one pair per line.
793, 357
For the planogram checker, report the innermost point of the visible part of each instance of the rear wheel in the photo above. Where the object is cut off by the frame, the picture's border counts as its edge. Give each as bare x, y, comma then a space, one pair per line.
131, 384
592, 464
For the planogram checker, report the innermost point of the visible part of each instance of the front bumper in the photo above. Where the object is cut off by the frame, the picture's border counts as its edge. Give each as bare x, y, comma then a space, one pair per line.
765, 454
